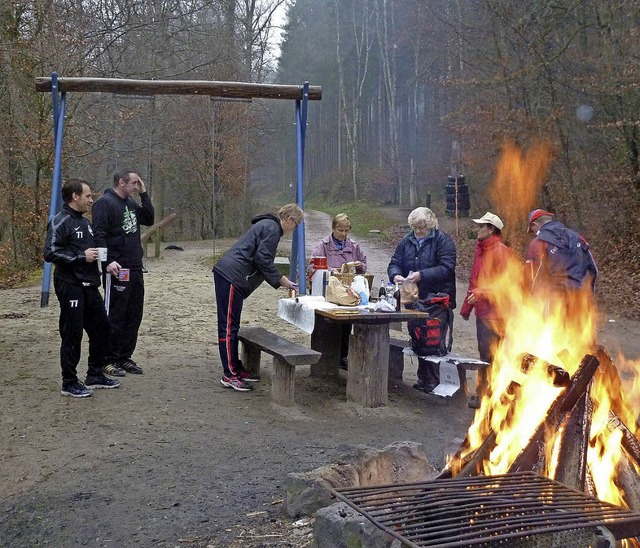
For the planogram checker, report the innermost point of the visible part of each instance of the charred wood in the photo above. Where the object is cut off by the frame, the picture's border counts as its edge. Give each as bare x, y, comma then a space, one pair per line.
470, 464
532, 455
473, 467
559, 376
628, 480
572, 457
629, 441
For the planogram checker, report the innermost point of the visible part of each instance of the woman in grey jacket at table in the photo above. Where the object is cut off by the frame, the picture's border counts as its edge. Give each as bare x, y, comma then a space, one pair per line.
238, 273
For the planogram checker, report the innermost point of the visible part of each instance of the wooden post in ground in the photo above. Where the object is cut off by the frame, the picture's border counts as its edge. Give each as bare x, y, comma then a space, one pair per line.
148, 234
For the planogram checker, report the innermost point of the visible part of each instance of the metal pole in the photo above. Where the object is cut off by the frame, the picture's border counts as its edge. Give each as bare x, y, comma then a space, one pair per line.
298, 244
56, 185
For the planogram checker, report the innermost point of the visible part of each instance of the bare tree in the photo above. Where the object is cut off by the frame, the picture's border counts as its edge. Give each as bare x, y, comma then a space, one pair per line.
385, 30
351, 93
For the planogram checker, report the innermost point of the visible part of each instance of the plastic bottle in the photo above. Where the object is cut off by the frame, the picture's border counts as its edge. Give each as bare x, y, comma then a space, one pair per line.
389, 294
361, 287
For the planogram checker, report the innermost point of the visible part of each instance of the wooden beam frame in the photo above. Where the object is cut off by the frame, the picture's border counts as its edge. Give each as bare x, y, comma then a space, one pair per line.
59, 86
238, 90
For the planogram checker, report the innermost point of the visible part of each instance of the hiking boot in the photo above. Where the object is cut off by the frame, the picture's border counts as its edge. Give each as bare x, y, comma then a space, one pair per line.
113, 370
344, 364
248, 377
235, 383
76, 390
423, 387
474, 402
100, 381
129, 366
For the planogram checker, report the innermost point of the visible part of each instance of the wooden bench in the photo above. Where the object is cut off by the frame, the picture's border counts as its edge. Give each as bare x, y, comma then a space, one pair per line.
286, 355
463, 366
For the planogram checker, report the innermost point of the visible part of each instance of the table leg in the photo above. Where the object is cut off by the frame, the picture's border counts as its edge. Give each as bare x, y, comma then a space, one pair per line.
326, 338
368, 373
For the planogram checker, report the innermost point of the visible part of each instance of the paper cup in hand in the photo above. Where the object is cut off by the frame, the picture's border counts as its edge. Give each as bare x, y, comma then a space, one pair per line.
102, 254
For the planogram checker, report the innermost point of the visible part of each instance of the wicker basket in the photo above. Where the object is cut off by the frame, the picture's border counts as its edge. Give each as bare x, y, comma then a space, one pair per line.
345, 278
348, 279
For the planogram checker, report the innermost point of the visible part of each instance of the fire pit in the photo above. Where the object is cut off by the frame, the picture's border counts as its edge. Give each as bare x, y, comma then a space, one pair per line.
487, 511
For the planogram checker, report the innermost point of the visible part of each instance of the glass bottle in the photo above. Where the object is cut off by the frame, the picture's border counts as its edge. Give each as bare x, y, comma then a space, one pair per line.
397, 297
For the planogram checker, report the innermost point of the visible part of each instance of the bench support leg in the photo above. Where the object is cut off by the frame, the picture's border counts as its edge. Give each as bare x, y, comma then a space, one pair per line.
283, 382
396, 366
250, 356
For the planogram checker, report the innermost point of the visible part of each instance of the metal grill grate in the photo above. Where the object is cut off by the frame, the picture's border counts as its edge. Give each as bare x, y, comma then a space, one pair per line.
485, 511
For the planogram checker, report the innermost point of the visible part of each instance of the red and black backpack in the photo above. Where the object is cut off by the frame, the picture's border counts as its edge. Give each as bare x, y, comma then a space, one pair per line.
429, 335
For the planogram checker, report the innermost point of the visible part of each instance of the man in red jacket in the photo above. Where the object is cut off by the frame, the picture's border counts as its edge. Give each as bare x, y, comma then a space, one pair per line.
490, 259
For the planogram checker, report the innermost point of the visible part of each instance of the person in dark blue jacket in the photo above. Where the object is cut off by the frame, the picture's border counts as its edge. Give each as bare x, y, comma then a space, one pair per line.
559, 259
238, 273
70, 246
426, 256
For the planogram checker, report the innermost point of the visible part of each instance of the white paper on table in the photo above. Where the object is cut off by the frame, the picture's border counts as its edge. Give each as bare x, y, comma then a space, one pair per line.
301, 311
449, 379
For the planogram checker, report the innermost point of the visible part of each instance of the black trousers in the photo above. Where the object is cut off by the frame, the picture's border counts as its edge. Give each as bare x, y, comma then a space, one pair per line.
229, 304
124, 301
81, 308
488, 339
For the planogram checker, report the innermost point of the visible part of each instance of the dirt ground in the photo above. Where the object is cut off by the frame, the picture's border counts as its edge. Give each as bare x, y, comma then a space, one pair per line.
172, 458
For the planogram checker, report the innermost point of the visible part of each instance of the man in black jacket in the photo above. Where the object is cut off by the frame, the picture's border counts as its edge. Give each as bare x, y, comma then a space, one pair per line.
71, 247
238, 273
116, 223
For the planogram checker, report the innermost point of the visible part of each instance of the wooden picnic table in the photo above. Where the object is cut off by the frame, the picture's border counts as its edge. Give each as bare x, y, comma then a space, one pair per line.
367, 376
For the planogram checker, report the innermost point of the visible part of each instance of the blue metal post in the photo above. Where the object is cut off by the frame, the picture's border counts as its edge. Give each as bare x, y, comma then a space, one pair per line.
56, 184
298, 244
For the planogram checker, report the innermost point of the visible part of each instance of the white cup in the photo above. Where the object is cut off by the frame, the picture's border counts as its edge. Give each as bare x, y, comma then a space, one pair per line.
102, 254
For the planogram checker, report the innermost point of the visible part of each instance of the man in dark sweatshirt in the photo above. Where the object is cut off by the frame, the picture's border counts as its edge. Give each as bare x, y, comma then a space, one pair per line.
116, 225
70, 246
238, 273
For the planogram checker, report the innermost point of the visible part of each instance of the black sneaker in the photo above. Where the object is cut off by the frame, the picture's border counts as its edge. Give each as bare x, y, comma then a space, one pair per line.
113, 370
76, 390
100, 381
344, 364
423, 387
129, 366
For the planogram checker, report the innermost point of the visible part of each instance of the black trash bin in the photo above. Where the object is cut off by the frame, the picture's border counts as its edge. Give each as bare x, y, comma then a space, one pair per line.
457, 191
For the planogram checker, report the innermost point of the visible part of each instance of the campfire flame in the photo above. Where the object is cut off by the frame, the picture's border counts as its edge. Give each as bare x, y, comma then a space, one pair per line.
552, 330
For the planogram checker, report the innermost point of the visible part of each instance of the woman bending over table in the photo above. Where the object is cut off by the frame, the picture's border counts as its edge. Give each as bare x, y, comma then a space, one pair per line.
238, 273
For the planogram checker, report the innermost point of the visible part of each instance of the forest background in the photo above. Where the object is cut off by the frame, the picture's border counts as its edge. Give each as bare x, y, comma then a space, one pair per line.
536, 103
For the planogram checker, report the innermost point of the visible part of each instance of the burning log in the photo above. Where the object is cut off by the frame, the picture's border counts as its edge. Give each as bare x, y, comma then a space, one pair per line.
560, 376
629, 481
471, 463
629, 441
530, 457
572, 457
473, 467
